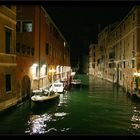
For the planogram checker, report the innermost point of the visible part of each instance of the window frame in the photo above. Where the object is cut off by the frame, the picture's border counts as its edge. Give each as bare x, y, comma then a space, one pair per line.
8, 88
23, 26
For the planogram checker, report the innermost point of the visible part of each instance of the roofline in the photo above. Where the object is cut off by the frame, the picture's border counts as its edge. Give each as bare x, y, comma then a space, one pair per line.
46, 13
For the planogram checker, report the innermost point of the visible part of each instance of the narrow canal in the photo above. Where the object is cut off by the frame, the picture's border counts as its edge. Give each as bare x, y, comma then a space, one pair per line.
97, 108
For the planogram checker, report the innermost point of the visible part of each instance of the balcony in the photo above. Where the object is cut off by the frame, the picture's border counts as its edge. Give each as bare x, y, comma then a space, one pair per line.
7, 59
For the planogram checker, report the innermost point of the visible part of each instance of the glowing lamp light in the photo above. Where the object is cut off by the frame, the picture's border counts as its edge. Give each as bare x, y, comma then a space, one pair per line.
34, 65
137, 74
43, 71
52, 73
33, 69
44, 65
52, 70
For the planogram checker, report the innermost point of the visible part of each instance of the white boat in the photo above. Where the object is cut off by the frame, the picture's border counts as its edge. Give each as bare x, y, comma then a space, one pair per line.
73, 74
76, 83
44, 95
57, 87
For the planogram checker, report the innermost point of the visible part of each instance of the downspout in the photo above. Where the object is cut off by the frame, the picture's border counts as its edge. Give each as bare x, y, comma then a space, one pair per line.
39, 47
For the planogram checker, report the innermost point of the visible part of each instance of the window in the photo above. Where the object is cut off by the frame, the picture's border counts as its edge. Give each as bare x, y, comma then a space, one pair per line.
8, 82
98, 61
133, 63
124, 51
27, 26
133, 41
32, 51
133, 51
120, 75
112, 65
18, 47
35, 71
7, 40
93, 65
23, 49
123, 64
28, 50
47, 48
112, 53
18, 26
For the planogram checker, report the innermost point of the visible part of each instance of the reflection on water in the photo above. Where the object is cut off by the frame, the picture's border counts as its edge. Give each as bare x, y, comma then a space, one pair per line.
41, 116
135, 121
37, 124
63, 99
97, 108
60, 114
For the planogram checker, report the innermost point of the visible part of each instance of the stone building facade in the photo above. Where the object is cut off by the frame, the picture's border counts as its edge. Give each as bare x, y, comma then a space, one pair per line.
33, 52
8, 90
120, 51
41, 48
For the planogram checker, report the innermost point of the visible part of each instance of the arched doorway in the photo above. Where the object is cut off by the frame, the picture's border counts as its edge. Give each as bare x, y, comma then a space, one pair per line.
26, 87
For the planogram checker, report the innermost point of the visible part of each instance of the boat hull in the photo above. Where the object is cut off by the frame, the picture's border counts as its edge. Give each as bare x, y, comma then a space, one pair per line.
76, 83
45, 98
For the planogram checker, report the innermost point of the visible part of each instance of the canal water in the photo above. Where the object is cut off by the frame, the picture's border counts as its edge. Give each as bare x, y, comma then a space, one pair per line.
97, 108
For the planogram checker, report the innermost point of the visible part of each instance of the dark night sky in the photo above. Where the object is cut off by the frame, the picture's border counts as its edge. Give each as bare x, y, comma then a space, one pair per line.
80, 22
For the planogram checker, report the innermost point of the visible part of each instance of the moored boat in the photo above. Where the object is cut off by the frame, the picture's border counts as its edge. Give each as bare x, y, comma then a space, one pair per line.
57, 87
44, 95
76, 83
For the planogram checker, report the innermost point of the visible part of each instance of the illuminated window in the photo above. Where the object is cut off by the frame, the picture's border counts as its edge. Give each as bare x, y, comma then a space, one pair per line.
35, 70
43, 70
27, 26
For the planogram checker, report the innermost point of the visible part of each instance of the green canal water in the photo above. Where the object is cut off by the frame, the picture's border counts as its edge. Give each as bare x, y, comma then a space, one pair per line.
97, 108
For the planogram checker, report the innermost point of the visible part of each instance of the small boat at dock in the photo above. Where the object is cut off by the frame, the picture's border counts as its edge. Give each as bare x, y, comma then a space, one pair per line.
58, 87
76, 83
44, 95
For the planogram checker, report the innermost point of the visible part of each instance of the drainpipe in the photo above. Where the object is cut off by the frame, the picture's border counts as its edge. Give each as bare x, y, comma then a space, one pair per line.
39, 46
